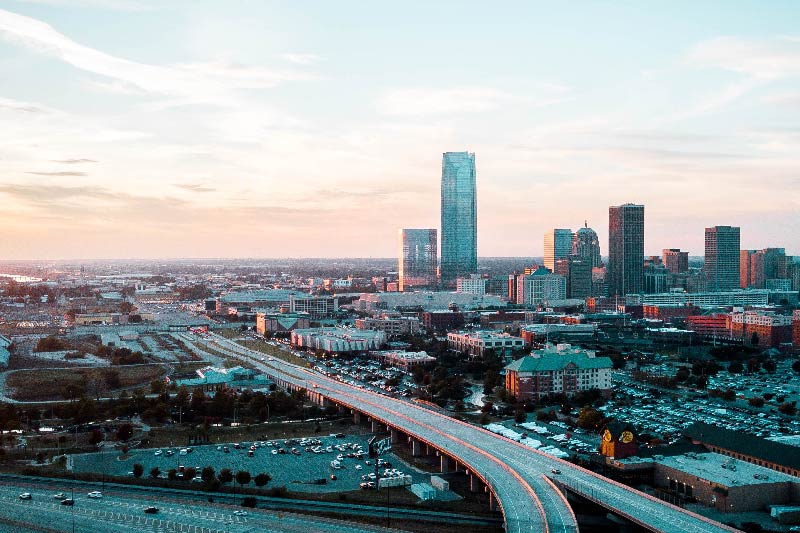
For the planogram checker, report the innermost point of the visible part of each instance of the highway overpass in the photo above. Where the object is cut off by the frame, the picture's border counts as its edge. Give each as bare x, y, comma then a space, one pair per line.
516, 476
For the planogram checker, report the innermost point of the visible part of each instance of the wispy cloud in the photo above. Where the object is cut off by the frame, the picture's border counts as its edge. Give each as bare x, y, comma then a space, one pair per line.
302, 59
197, 82
194, 187
419, 101
121, 5
73, 161
63, 173
15, 105
765, 59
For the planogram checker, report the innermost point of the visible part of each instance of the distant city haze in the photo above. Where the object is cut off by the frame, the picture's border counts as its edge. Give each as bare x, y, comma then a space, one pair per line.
144, 129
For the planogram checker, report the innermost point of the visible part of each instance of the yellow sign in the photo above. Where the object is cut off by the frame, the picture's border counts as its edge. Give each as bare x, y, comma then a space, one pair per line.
626, 437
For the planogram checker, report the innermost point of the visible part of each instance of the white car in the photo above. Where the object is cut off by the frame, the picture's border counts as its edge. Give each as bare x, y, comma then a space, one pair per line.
158, 452
59, 496
240, 513
95, 494
25, 496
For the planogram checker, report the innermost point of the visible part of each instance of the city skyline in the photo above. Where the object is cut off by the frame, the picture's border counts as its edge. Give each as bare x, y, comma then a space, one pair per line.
195, 130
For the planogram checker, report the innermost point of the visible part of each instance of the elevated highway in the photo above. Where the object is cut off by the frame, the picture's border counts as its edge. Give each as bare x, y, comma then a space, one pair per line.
519, 478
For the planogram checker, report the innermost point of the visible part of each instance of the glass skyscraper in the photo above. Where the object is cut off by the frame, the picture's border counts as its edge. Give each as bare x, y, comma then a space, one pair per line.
417, 258
557, 245
625, 249
722, 258
459, 216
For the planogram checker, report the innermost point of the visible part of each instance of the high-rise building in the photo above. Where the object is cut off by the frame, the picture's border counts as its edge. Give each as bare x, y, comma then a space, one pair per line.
557, 245
625, 249
722, 258
540, 286
417, 258
586, 245
676, 261
578, 273
756, 267
459, 216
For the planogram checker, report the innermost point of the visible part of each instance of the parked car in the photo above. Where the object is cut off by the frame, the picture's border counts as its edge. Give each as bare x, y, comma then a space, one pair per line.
95, 494
67, 501
25, 496
151, 510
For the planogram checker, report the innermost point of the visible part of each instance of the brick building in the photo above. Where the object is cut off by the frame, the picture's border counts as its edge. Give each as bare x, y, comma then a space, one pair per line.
772, 329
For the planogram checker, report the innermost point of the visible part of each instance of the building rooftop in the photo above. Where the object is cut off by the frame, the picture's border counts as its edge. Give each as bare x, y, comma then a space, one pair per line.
724, 470
558, 358
745, 444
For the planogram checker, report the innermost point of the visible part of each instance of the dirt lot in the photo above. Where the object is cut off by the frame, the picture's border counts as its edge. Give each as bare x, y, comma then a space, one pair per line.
47, 384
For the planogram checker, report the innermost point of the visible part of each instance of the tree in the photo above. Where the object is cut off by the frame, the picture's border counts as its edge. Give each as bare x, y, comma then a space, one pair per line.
520, 416
242, 477
769, 365
95, 437
729, 395
207, 474
788, 408
753, 365
754, 339
736, 367
189, 473
796, 366
487, 407
225, 475
138, 470
155, 472
590, 418
172, 474
124, 432
262, 479
756, 401
157, 386
112, 379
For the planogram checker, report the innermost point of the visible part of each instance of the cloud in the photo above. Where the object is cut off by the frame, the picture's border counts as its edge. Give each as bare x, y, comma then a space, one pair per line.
765, 59
23, 107
120, 5
195, 82
301, 59
73, 161
194, 187
418, 101
60, 173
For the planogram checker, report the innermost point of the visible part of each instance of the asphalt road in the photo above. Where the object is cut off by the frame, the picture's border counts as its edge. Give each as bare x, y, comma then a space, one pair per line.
121, 510
516, 474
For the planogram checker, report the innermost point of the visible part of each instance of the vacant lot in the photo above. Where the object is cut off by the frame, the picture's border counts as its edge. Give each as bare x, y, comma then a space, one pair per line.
48, 384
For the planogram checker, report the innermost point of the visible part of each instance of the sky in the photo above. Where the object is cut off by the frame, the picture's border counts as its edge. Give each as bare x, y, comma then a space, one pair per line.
251, 128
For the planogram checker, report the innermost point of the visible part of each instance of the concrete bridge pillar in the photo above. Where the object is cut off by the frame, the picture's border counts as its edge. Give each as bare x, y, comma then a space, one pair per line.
444, 463
356, 417
429, 450
416, 448
492, 502
474, 483
376, 426
395, 436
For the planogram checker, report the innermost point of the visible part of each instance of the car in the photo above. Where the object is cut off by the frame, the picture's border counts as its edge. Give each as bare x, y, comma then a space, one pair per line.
333, 477
95, 494
59, 496
225, 449
240, 513
358, 467
274, 452
151, 510
555, 470
25, 496
158, 452
67, 501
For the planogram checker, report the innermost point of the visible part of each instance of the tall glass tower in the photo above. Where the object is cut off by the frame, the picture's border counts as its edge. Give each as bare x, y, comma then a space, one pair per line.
722, 258
417, 258
459, 216
557, 245
625, 249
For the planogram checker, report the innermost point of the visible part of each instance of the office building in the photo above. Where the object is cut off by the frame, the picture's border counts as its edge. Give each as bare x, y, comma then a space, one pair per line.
338, 340
557, 245
722, 258
757, 267
676, 261
476, 343
474, 284
578, 273
540, 286
625, 249
417, 258
586, 245
459, 216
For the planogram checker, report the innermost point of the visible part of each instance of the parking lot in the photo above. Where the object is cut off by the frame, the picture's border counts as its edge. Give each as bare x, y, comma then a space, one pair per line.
298, 471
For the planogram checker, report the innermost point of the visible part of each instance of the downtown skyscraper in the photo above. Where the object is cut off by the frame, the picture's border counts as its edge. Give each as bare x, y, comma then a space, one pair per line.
557, 245
722, 258
625, 249
417, 258
459, 216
